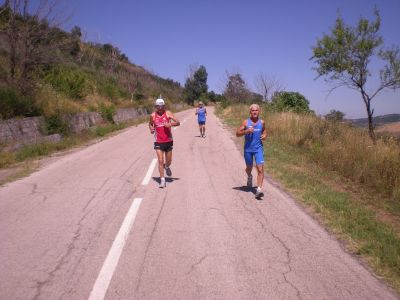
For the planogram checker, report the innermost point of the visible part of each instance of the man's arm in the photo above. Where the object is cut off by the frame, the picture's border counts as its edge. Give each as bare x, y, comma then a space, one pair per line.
264, 131
174, 122
151, 124
197, 111
241, 131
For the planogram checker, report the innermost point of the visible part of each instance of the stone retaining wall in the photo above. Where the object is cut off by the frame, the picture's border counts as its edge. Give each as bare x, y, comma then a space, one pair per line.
82, 121
19, 132
127, 114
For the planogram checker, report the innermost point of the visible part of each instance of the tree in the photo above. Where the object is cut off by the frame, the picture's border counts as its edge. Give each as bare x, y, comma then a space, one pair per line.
267, 86
345, 54
291, 101
236, 89
335, 115
196, 85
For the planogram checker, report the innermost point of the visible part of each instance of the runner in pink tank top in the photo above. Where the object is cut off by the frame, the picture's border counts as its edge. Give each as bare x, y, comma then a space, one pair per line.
162, 134
160, 125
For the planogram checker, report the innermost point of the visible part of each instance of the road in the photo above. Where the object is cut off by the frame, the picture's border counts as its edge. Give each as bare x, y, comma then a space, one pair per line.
89, 226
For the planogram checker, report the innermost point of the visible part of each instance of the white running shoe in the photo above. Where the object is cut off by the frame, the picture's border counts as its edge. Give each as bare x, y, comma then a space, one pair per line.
249, 181
259, 193
163, 184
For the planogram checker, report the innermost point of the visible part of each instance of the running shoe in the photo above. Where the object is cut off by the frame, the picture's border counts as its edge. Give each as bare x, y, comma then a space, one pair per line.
259, 193
249, 181
168, 171
163, 184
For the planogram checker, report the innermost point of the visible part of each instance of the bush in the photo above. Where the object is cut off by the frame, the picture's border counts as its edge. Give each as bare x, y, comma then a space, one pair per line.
70, 82
107, 112
290, 101
110, 89
14, 104
56, 124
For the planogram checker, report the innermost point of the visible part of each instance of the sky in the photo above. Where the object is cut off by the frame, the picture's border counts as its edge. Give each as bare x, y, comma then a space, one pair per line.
274, 37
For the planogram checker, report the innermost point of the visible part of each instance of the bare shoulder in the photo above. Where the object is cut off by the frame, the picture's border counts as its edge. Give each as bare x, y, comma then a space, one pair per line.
152, 116
169, 114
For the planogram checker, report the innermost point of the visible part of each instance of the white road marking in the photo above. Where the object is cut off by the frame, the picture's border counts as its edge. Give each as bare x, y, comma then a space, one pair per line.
103, 280
149, 172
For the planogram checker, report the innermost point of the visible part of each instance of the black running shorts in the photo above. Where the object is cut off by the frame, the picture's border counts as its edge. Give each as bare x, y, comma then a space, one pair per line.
165, 147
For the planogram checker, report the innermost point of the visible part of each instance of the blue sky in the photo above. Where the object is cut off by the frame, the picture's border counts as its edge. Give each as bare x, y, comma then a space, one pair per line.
252, 36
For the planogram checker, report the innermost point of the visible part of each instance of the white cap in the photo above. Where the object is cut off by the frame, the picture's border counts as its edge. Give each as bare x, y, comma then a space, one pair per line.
160, 101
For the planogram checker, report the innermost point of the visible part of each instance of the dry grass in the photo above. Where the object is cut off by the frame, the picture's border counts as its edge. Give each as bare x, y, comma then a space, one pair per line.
344, 149
391, 128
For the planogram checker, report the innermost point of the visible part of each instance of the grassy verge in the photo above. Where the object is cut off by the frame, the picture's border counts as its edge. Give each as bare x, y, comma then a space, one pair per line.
367, 221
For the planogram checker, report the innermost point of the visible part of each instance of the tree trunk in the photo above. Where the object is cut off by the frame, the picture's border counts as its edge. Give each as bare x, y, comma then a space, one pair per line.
370, 113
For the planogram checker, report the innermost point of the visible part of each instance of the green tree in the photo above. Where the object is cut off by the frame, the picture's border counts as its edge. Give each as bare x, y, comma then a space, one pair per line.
344, 56
196, 85
290, 101
236, 89
334, 115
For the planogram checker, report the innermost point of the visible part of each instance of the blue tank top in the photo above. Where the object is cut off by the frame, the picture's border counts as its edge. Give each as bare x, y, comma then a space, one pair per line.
201, 114
252, 141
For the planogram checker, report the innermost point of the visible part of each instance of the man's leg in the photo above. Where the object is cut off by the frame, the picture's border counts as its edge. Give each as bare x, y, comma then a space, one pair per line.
260, 175
160, 157
248, 158
168, 158
248, 170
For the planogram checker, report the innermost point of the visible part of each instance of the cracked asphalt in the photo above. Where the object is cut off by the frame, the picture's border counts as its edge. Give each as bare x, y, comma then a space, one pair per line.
205, 236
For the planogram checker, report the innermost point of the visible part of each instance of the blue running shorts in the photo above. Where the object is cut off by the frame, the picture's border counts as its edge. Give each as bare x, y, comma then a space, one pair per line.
259, 157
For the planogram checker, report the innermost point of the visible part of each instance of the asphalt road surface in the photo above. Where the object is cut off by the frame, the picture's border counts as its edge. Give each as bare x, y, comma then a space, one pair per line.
92, 225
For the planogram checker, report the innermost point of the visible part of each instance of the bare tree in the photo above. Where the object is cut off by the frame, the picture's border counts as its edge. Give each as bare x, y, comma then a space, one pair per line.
267, 85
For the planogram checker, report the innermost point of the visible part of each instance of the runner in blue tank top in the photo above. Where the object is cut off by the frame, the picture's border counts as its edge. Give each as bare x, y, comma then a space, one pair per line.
255, 133
201, 113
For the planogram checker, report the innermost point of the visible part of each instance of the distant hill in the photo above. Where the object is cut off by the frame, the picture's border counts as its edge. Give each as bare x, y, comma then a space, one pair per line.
378, 121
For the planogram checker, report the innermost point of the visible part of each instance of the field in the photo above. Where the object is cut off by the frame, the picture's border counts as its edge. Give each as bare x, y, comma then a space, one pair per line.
390, 128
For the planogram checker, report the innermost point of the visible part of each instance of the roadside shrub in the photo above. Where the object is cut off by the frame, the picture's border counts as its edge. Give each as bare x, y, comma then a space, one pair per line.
14, 104
56, 124
107, 112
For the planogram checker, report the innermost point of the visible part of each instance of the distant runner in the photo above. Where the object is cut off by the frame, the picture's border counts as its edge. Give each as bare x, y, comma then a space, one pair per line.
201, 113
160, 125
255, 133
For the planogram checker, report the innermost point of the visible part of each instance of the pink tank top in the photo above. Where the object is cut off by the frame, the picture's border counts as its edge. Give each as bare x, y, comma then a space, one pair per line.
162, 134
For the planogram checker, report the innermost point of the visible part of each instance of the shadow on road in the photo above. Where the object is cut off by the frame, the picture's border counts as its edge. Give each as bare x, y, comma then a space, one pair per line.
167, 179
245, 188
